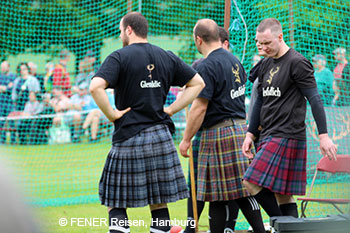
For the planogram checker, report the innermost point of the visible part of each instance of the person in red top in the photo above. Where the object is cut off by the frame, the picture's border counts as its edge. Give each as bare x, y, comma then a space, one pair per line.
60, 74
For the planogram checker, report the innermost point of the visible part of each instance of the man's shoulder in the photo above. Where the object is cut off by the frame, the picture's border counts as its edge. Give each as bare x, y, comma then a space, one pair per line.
295, 56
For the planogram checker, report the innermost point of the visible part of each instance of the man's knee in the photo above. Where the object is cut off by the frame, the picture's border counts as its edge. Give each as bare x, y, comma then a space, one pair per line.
158, 206
284, 199
253, 189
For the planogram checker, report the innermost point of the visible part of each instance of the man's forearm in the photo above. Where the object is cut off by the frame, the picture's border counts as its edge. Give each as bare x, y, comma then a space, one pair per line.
189, 94
195, 118
101, 99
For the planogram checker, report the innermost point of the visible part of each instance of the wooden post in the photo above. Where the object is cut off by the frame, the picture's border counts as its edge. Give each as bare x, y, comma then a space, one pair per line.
129, 6
227, 16
291, 23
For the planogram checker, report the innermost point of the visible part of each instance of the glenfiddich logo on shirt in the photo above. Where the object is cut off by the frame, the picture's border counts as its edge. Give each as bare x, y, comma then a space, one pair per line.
237, 93
236, 74
272, 73
271, 91
152, 84
150, 67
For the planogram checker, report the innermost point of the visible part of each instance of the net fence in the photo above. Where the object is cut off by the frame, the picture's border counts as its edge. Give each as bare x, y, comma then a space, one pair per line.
52, 131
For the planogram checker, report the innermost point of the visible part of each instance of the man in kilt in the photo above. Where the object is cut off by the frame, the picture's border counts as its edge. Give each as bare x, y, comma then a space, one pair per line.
219, 111
142, 167
231, 208
286, 80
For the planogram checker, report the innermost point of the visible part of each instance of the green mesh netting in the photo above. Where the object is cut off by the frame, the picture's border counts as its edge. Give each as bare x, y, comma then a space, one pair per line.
59, 144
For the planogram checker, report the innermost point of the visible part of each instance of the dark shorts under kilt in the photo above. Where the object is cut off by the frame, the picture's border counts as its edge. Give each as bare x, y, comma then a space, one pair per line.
143, 170
221, 164
280, 166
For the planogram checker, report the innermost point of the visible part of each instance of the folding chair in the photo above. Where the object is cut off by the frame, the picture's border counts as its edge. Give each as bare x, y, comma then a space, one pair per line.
342, 165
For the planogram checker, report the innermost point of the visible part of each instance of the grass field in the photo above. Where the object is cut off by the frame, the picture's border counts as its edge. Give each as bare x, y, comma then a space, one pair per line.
60, 181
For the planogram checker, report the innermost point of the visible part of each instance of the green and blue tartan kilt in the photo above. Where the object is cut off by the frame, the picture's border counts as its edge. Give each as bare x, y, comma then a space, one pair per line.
145, 169
221, 164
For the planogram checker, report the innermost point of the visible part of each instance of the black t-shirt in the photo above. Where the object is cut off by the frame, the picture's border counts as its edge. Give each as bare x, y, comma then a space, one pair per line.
283, 109
225, 79
141, 75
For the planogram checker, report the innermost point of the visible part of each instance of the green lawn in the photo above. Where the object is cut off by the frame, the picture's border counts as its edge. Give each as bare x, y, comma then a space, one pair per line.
60, 181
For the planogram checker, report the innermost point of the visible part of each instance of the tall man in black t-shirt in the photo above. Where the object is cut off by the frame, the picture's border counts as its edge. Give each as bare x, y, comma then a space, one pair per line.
142, 167
219, 111
279, 167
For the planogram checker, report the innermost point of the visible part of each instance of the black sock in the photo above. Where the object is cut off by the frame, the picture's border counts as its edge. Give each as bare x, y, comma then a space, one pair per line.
232, 208
190, 216
160, 220
267, 200
118, 220
289, 209
251, 210
217, 216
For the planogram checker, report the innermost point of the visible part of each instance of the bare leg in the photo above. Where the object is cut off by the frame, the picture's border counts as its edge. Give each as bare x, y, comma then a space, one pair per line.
253, 189
287, 205
94, 126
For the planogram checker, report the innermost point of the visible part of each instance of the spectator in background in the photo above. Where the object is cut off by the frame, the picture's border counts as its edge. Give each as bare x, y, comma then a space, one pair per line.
340, 57
26, 132
344, 86
324, 79
96, 116
23, 84
86, 71
60, 74
6, 84
82, 101
33, 68
41, 125
49, 67
60, 103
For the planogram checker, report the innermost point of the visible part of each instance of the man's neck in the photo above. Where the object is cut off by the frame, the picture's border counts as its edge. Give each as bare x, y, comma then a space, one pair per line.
137, 40
207, 49
283, 50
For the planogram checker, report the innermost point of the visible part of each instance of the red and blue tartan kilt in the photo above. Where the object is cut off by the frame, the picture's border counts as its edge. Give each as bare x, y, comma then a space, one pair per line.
221, 164
280, 166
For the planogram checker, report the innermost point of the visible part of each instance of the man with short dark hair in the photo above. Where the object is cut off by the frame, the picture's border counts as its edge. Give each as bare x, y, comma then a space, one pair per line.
142, 167
219, 111
279, 167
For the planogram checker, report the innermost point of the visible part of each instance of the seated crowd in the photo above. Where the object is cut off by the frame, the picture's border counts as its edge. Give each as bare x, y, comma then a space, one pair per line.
31, 105
52, 102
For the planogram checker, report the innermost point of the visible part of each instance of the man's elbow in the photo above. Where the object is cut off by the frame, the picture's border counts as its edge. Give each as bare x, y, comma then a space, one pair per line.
92, 88
202, 83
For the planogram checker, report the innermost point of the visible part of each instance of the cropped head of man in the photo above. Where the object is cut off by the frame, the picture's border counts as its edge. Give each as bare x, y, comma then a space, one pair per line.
224, 38
132, 25
205, 32
269, 37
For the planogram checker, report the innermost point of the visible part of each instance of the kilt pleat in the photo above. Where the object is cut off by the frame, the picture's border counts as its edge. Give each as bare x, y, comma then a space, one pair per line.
143, 170
221, 164
279, 165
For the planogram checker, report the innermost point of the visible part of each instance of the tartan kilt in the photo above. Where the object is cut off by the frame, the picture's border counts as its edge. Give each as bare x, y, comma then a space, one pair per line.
280, 166
221, 164
142, 170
